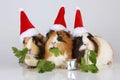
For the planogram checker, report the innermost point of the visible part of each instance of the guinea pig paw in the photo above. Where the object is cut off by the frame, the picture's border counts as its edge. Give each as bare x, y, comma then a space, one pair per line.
31, 67
63, 67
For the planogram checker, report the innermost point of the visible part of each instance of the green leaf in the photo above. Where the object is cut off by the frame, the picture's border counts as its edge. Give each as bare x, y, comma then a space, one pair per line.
14, 49
84, 68
93, 68
82, 61
25, 50
92, 56
89, 67
55, 51
43, 66
20, 54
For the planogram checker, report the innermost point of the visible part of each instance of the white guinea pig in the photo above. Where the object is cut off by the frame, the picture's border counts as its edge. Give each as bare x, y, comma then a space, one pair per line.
89, 42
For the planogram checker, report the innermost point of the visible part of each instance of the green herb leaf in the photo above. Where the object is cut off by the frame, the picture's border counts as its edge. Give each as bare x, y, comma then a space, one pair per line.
92, 56
89, 67
82, 61
20, 53
43, 66
55, 51
84, 68
93, 68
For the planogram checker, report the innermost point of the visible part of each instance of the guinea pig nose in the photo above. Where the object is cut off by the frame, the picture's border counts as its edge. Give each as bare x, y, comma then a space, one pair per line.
53, 43
86, 44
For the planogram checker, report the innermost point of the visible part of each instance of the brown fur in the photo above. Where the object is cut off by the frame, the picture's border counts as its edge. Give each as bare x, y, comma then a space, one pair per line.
37, 48
99, 45
64, 46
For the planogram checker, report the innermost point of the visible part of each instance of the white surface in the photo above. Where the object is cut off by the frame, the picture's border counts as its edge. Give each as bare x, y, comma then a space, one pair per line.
21, 73
101, 17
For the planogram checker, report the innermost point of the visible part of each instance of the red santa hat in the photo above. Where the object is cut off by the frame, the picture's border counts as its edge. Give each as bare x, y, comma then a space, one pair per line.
59, 23
26, 27
78, 24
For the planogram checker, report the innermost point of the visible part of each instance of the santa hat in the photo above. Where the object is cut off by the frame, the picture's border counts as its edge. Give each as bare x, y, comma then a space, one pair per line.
78, 24
26, 27
59, 23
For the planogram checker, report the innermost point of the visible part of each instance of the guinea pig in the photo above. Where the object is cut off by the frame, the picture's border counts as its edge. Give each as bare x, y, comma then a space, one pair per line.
36, 49
84, 41
61, 40
89, 42
32, 39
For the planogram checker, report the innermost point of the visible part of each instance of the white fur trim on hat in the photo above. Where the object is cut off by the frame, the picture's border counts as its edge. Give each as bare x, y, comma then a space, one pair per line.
28, 33
79, 31
57, 27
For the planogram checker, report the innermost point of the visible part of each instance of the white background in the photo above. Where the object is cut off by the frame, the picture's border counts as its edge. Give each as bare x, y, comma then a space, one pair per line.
100, 17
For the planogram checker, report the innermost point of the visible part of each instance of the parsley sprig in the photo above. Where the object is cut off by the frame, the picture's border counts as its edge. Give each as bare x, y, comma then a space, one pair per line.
42, 65
55, 51
45, 66
20, 53
85, 67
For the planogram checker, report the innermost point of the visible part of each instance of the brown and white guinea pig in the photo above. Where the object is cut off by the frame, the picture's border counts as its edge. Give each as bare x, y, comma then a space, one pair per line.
99, 45
36, 49
61, 40
84, 41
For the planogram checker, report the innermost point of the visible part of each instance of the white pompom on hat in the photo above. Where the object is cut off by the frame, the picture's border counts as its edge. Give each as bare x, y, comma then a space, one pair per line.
59, 23
26, 27
78, 24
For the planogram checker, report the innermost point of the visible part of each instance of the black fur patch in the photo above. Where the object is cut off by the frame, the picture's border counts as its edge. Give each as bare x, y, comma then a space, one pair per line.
77, 42
24, 41
90, 37
41, 47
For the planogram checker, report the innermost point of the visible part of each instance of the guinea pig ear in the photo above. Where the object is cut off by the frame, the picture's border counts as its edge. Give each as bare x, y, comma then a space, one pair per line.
67, 33
40, 36
90, 35
26, 39
49, 33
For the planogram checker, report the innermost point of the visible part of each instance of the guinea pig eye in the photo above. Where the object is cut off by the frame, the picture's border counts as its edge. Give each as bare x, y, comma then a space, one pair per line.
59, 38
24, 42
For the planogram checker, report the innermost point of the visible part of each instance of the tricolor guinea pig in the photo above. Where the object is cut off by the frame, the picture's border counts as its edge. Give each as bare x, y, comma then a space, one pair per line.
63, 42
60, 40
36, 49
99, 45
84, 41
32, 39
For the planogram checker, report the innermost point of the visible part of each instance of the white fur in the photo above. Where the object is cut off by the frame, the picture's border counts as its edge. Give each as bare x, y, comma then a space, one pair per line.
106, 53
60, 60
53, 42
32, 61
83, 47
86, 43
29, 44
